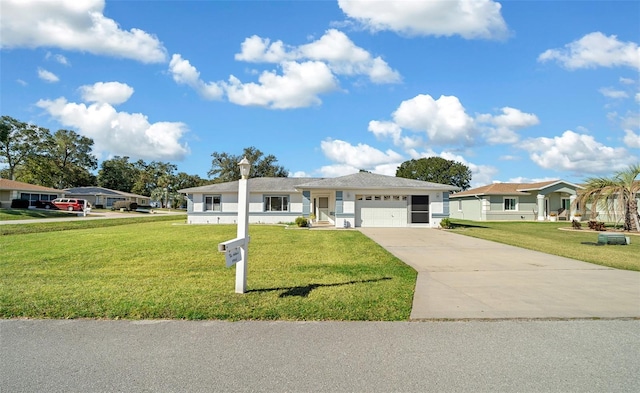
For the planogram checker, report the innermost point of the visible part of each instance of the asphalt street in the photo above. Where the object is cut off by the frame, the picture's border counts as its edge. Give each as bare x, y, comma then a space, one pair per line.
216, 356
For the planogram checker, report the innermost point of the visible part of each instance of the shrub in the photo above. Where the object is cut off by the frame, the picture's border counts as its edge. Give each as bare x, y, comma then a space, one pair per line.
302, 222
576, 224
100, 206
19, 204
127, 205
446, 223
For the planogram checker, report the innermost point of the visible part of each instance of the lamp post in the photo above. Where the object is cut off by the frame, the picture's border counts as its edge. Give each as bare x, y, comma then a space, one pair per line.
243, 225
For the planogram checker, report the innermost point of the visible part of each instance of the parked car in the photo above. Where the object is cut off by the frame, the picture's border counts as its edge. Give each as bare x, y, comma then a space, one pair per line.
71, 204
45, 205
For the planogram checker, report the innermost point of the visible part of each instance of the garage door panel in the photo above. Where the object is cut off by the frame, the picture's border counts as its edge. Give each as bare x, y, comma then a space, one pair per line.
381, 213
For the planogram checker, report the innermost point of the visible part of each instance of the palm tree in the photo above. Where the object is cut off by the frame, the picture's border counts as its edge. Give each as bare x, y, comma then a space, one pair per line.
615, 194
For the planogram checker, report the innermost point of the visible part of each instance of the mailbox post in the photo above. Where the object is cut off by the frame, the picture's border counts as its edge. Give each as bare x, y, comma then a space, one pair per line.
243, 225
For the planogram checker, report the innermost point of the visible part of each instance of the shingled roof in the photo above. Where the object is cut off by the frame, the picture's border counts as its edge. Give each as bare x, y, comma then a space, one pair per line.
100, 191
256, 184
360, 181
366, 180
6, 184
509, 188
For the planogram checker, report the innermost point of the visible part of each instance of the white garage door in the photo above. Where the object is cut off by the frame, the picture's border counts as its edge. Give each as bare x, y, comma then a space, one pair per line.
381, 213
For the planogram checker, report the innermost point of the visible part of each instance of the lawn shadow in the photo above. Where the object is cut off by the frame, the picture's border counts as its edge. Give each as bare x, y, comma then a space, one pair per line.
592, 244
304, 291
458, 225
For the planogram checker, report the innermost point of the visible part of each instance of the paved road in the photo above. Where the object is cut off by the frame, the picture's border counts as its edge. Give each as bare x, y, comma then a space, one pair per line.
460, 277
213, 356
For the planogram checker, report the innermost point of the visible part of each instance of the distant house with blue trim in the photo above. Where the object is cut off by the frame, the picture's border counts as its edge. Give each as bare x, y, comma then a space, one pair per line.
549, 200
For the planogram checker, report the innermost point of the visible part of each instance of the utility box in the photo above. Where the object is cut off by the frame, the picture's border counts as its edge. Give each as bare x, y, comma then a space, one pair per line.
613, 238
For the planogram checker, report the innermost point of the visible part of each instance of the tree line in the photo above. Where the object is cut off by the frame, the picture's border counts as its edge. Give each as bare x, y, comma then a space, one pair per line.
64, 159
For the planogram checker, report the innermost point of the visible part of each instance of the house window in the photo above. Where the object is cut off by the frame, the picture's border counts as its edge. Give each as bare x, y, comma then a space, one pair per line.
510, 204
459, 205
212, 203
276, 203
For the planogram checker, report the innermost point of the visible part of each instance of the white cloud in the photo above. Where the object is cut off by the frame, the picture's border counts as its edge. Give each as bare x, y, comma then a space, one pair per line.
444, 120
522, 179
467, 18
345, 58
120, 133
384, 129
575, 152
389, 129
260, 50
74, 25
631, 139
334, 48
361, 156
595, 50
506, 125
631, 120
184, 73
47, 76
627, 81
298, 174
58, 58
21, 82
610, 92
637, 97
480, 174
337, 170
297, 87
113, 93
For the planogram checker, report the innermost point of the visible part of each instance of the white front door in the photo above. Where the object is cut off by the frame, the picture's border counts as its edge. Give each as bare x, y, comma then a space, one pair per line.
323, 209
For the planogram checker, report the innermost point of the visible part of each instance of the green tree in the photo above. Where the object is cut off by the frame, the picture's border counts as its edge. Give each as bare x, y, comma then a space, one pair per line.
153, 175
224, 166
616, 195
118, 174
65, 160
184, 180
69, 160
19, 142
436, 170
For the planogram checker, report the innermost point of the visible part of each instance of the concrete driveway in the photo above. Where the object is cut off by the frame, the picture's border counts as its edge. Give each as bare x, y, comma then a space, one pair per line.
460, 277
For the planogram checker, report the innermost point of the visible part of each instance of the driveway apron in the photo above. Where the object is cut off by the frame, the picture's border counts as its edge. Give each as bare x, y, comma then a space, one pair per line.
460, 277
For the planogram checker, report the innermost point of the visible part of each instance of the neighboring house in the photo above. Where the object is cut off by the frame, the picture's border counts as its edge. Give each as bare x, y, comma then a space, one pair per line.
11, 189
359, 200
516, 201
100, 196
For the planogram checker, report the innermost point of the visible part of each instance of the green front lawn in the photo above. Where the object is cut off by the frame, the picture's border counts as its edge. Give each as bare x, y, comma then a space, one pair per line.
164, 269
547, 237
25, 214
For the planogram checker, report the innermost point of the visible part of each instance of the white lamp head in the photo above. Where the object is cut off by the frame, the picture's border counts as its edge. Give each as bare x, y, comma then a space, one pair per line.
245, 168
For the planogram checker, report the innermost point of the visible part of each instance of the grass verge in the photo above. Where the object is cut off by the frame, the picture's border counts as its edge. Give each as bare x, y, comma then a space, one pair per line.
159, 270
26, 214
17, 229
548, 238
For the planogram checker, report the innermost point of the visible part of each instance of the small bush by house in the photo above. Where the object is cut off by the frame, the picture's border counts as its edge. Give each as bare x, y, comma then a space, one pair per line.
19, 204
302, 222
126, 205
446, 223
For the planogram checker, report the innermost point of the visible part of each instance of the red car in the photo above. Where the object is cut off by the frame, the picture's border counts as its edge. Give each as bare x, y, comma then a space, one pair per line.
71, 204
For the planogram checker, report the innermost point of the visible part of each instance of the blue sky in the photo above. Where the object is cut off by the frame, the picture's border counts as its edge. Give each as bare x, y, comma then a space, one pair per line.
516, 90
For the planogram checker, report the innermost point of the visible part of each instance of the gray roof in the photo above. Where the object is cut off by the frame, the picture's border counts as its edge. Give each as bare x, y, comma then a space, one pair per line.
359, 181
99, 191
256, 184
366, 180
